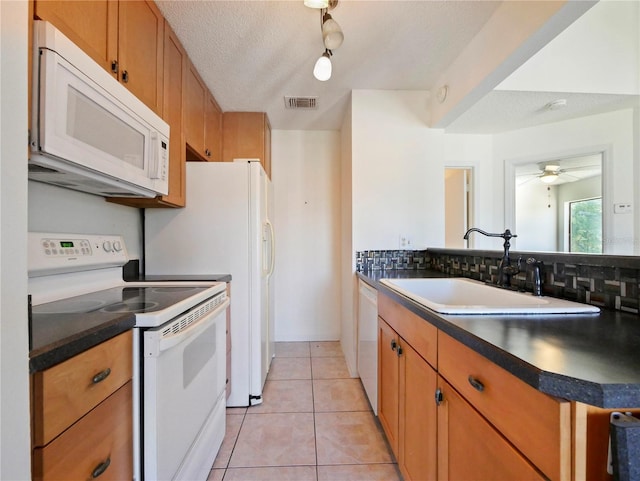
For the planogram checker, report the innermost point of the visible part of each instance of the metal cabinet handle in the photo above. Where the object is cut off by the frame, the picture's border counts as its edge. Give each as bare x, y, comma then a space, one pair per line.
114, 66
207, 152
476, 384
399, 351
101, 376
439, 396
101, 468
125, 76
394, 345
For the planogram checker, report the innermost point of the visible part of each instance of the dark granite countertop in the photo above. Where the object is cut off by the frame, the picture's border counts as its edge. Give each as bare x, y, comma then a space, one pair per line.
58, 337
594, 359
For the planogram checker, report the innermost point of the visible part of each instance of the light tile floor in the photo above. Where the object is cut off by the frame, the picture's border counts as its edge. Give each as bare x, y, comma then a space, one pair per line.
315, 424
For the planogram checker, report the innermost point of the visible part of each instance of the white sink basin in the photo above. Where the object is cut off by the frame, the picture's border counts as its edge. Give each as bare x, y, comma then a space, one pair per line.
466, 296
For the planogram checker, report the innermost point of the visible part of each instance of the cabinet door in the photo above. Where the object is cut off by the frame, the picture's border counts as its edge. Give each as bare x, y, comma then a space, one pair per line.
470, 449
212, 130
247, 135
194, 111
418, 425
99, 444
388, 383
175, 66
140, 41
91, 25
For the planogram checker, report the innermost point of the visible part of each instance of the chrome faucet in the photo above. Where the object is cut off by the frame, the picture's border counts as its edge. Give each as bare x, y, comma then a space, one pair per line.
505, 268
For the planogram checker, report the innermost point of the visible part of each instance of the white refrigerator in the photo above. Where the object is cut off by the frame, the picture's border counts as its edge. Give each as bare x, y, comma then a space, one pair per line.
225, 228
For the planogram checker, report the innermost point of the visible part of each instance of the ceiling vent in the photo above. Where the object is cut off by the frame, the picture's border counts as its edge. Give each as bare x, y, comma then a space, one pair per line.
304, 103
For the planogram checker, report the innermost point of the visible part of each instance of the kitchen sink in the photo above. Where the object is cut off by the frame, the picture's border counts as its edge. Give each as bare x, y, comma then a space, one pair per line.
466, 296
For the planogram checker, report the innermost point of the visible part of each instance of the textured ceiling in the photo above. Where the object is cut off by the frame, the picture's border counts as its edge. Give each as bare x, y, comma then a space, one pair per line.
251, 54
254, 53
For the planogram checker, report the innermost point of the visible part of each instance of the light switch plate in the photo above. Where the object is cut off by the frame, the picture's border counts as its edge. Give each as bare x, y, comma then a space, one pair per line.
622, 208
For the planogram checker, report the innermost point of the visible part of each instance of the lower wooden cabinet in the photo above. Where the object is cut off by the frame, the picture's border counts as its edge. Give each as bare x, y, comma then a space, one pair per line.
406, 408
99, 445
469, 448
418, 432
82, 415
450, 413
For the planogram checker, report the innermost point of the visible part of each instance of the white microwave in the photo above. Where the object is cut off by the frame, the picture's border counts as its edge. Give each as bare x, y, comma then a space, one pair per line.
89, 133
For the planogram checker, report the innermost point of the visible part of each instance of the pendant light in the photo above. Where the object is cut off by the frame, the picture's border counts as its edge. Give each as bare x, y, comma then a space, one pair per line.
317, 3
322, 69
332, 37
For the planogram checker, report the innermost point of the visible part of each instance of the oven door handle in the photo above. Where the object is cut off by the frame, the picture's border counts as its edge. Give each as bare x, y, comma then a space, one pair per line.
155, 344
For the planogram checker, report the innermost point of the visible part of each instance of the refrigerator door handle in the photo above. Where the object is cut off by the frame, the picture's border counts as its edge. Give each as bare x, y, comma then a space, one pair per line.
272, 244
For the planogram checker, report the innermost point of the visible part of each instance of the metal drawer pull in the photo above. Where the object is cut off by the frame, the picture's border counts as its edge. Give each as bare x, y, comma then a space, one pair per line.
101, 376
101, 468
394, 344
477, 385
125, 76
399, 351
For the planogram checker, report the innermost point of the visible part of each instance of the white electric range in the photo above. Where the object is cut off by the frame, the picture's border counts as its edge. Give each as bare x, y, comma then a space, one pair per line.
179, 347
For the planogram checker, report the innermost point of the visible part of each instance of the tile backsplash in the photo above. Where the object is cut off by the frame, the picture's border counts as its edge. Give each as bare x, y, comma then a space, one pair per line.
611, 282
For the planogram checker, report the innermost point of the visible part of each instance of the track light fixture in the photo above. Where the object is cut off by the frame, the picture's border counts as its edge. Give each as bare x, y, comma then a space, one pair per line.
332, 37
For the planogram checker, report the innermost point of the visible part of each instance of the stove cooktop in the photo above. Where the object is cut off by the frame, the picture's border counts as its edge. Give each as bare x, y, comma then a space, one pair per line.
138, 299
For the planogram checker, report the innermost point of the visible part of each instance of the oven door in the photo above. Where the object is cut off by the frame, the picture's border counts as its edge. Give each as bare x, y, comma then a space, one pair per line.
183, 376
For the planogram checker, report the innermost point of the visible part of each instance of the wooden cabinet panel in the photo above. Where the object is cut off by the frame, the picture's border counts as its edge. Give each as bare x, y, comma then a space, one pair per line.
469, 448
175, 66
67, 391
388, 383
539, 425
247, 135
195, 92
203, 122
212, 130
90, 24
418, 425
422, 335
140, 52
103, 436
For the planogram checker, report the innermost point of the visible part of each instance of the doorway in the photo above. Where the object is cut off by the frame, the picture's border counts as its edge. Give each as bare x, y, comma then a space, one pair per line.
458, 208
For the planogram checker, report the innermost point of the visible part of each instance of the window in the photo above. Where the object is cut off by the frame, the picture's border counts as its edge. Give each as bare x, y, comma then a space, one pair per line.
585, 226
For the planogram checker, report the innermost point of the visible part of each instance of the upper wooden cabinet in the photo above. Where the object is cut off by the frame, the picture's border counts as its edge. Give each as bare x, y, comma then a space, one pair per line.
140, 42
91, 25
203, 120
175, 69
247, 135
125, 37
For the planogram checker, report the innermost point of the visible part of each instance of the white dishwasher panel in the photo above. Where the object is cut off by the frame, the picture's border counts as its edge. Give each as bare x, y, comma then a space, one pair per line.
368, 341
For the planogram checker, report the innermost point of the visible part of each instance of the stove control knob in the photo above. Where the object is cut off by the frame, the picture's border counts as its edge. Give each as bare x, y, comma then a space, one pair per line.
106, 245
117, 246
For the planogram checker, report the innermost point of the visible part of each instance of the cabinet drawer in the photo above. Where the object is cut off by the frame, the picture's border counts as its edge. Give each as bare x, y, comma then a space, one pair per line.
67, 391
537, 424
101, 438
422, 335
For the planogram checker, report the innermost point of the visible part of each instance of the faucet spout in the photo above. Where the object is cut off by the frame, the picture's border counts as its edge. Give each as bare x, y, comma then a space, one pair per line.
505, 269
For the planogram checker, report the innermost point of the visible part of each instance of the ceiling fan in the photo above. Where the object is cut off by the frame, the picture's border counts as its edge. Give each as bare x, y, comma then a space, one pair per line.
551, 172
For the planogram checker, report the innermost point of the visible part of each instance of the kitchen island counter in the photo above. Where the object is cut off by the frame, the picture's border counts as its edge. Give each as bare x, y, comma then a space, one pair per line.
590, 358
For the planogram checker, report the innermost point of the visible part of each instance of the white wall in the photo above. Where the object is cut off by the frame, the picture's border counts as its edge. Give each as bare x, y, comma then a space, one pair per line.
306, 181
398, 171
14, 351
615, 133
348, 281
536, 217
54, 209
